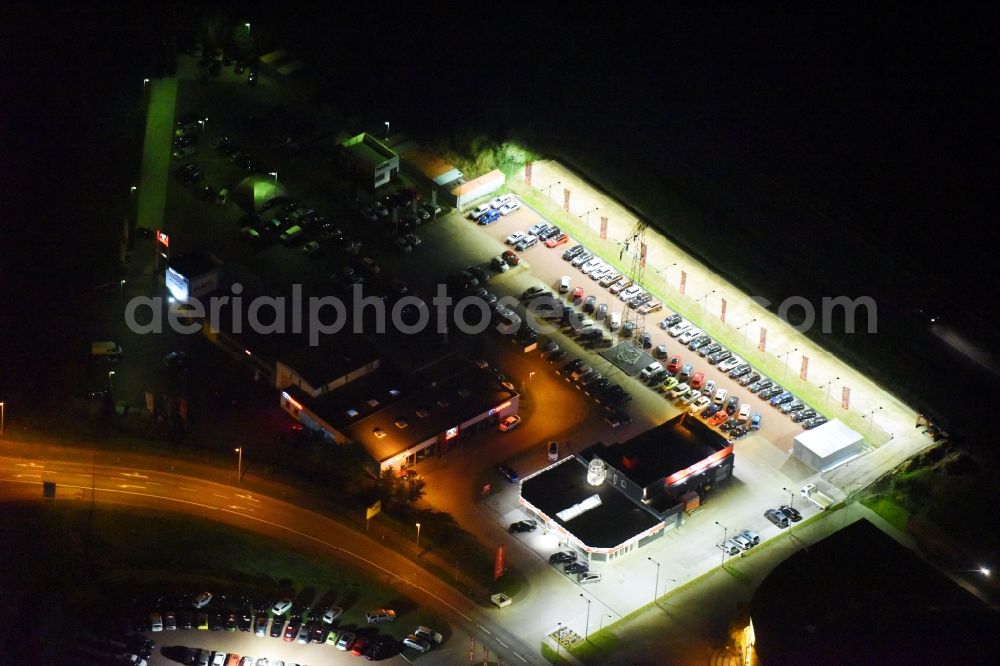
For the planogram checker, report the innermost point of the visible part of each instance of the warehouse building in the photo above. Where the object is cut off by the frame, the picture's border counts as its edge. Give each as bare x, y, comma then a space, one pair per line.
369, 160
826, 446
402, 418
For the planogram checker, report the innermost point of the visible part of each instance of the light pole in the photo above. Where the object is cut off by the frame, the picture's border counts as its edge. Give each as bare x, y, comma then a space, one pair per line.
531, 375
111, 386
725, 536
275, 174
3, 417
704, 302
586, 216
145, 82
871, 420
558, 639
418, 538
665, 270
601, 626
791, 495
387, 130
745, 327
239, 464
586, 630
203, 122
656, 585
548, 188
786, 360
827, 387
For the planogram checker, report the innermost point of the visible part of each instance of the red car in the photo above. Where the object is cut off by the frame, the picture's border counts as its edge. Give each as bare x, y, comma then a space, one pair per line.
697, 380
578, 294
511, 258
359, 646
674, 364
719, 418
556, 241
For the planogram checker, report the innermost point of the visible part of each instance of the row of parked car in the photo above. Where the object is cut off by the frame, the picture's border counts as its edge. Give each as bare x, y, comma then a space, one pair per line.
743, 541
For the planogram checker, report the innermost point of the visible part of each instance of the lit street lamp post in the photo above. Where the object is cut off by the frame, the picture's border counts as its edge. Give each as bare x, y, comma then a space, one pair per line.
791, 495
586, 216
275, 174
111, 386
827, 386
725, 536
558, 639
603, 615
548, 188
3, 417
786, 360
586, 630
871, 420
239, 464
387, 130
418, 538
704, 301
656, 585
745, 327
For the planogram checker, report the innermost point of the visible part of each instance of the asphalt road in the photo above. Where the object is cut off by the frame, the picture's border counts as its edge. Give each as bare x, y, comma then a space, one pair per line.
21, 478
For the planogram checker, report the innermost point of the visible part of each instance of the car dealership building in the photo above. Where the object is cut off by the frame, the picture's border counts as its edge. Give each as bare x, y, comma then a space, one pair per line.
608, 501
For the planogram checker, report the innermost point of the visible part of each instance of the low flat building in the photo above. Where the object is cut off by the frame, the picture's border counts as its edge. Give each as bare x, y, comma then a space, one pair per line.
826, 446
608, 501
402, 418
192, 275
371, 162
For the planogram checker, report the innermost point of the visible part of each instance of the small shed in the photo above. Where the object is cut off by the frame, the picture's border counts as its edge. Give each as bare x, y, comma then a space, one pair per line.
828, 445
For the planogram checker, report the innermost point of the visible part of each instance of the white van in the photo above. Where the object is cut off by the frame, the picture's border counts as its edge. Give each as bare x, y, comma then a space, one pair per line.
105, 349
615, 321
564, 284
501, 200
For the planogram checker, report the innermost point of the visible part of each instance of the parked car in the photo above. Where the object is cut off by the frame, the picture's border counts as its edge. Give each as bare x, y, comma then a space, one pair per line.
380, 615
523, 526
575, 567
509, 474
510, 423
563, 557
791, 513
777, 518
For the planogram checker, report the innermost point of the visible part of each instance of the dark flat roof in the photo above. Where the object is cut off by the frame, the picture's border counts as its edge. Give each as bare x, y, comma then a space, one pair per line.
448, 394
333, 358
859, 597
614, 522
658, 453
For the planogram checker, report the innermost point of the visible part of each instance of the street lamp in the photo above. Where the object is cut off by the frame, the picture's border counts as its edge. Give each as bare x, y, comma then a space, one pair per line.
871, 419
145, 82
387, 130
725, 536
586, 630
786, 359
704, 301
111, 386
548, 188
203, 122
531, 376
3, 417
586, 216
132, 189
239, 464
745, 327
656, 585
791, 494
827, 387
275, 174
601, 625
418, 538
558, 639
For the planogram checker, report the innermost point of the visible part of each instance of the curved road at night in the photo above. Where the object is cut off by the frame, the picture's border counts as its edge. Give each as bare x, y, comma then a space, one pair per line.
21, 479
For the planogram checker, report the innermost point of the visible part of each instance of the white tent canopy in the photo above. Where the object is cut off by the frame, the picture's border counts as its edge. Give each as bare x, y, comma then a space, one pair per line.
826, 446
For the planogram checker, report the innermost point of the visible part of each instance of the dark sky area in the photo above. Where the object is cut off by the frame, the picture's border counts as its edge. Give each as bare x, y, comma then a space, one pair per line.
859, 143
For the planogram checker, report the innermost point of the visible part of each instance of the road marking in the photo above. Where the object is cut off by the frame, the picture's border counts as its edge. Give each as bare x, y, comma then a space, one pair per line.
154, 483
128, 485
502, 643
192, 490
30, 476
484, 629
520, 657
134, 475
248, 497
28, 465
222, 496
234, 507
